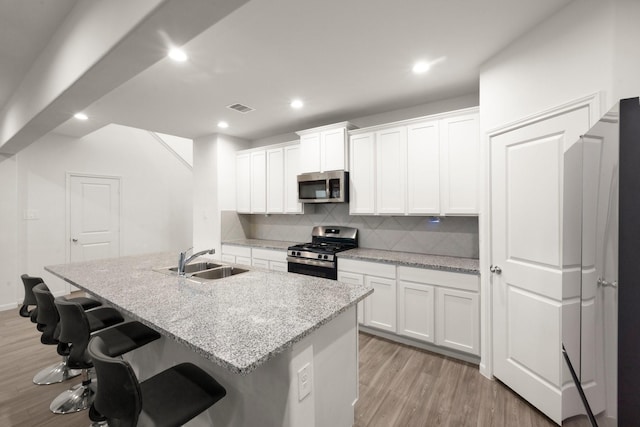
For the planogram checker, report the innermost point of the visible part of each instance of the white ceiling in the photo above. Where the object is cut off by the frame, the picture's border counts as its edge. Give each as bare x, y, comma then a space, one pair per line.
345, 59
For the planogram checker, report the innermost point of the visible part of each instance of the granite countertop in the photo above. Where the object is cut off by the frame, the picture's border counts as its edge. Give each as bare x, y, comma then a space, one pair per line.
434, 262
238, 322
258, 243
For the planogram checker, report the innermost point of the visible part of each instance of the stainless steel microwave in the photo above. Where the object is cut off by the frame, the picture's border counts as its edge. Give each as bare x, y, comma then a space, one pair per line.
323, 187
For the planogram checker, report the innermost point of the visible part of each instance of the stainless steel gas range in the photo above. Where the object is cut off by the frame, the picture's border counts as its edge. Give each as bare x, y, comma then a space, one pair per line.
318, 258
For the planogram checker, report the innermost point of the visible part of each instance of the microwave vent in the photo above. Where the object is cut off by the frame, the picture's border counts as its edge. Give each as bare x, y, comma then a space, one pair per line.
240, 108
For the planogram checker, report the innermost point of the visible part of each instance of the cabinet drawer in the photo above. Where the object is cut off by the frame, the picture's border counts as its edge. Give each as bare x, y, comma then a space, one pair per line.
462, 281
351, 278
243, 251
368, 268
228, 258
269, 254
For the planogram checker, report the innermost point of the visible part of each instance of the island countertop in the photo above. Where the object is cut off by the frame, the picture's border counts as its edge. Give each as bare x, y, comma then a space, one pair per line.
238, 322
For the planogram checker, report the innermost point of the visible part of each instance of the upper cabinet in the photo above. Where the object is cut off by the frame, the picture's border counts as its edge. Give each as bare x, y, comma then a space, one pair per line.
426, 166
324, 148
267, 179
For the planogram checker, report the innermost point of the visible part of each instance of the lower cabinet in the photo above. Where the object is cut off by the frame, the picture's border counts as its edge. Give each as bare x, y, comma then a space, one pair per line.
432, 306
236, 254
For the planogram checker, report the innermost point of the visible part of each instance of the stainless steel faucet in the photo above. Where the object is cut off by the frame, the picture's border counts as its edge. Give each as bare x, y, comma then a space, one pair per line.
183, 260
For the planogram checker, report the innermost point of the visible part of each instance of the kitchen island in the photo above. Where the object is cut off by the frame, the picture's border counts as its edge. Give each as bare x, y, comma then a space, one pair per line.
283, 345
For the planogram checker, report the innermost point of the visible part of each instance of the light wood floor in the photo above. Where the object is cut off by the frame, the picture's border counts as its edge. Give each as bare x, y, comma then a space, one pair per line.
399, 386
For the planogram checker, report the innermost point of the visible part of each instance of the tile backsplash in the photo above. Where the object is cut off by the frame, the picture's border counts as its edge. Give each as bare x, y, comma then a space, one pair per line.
453, 236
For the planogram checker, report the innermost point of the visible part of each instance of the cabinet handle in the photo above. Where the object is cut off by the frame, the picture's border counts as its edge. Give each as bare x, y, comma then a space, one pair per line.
74, 240
495, 269
604, 283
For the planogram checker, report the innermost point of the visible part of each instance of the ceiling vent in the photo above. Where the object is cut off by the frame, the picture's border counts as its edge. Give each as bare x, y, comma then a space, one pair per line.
240, 108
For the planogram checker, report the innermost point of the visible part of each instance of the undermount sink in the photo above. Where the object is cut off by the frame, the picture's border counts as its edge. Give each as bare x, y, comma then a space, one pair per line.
204, 270
219, 273
196, 266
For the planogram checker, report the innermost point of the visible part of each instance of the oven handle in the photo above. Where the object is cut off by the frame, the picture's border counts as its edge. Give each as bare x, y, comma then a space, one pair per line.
307, 261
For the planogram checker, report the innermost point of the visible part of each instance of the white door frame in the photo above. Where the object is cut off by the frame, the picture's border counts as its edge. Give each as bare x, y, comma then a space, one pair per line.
594, 102
69, 176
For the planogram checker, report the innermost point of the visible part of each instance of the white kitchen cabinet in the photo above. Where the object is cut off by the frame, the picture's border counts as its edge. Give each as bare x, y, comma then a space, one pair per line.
324, 148
267, 179
243, 183
460, 162
236, 254
258, 179
362, 175
270, 259
416, 310
275, 180
354, 279
380, 306
423, 168
391, 168
291, 172
458, 320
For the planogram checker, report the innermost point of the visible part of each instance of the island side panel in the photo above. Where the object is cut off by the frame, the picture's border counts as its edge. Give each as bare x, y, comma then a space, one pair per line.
269, 395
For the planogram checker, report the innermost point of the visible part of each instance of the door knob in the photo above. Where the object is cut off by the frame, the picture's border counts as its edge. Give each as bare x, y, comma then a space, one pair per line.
74, 240
495, 269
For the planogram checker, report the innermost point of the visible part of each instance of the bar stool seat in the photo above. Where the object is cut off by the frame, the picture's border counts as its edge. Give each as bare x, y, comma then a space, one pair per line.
77, 326
170, 398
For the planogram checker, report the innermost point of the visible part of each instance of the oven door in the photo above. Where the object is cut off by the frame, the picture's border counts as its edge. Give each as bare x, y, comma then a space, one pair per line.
310, 267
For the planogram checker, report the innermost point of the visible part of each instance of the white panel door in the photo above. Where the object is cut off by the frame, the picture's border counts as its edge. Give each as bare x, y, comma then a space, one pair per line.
333, 150
94, 217
275, 180
423, 168
391, 170
526, 193
243, 183
362, 174
291, 172
310, 153
258, 181
460, 150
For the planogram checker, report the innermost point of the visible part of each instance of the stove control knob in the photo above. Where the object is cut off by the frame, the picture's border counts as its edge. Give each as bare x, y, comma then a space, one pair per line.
319, 256
326, 257
298, 253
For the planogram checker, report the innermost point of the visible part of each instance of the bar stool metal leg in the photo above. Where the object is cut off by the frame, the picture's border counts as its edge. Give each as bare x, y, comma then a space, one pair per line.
56, 373
77, 398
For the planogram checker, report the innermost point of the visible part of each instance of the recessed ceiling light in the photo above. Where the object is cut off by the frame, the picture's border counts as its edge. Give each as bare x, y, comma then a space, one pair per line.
223, 125
81, 116
297, 104
421, 67
177, 55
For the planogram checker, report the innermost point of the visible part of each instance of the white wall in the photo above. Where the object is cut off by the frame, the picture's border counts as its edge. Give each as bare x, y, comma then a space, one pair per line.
156, 196
214, 186
565, 58
8, 232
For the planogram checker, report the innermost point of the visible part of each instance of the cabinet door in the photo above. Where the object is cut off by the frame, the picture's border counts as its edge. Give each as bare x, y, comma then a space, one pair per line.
460, 151
333, 152
310, 153
243, 183
458, 320
291, 172
362, 174
228, 258
391, 167
278, 266
423, 168
380, 306
260, 263
275, 180
416, 310
258, 179
354, 279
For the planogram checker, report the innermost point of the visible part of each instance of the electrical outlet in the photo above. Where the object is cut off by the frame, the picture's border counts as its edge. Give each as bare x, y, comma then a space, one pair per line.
305, 381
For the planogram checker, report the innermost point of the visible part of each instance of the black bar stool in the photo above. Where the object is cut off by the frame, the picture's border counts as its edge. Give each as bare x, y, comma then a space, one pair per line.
29, 298
170, 398
48, 324
76, 327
